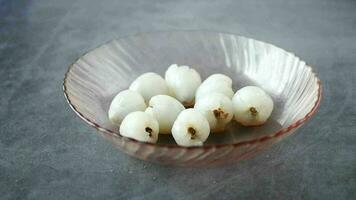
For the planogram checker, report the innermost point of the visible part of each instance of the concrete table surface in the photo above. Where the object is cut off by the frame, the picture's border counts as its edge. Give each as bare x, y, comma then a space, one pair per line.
46, 152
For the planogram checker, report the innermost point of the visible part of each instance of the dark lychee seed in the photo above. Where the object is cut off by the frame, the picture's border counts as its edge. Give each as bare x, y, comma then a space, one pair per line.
220, 114
192, 132
149, 131
253, 111
216, 113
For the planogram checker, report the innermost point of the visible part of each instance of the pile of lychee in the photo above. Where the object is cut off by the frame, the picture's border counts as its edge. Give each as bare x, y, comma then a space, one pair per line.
184, 106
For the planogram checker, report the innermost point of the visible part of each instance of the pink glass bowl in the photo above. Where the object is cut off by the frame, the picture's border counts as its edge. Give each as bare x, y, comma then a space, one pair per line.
93, 80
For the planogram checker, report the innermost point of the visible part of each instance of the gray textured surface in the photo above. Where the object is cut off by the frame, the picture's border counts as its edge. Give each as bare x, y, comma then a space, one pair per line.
46, 152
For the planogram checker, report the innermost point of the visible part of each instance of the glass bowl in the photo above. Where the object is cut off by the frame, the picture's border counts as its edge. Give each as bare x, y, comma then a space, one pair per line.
96, 77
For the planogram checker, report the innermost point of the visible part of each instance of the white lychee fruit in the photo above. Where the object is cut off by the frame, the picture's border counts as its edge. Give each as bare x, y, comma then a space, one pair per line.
140, 126
183, 82
191, 128
149, 84
166, 110
218, 78
125, 102
214, 87
217, 109
252, 106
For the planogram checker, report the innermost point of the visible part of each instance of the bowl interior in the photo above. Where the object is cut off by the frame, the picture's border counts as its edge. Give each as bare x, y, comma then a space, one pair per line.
95, 78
